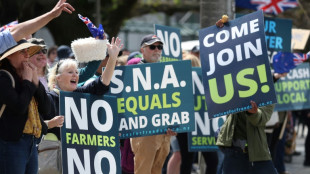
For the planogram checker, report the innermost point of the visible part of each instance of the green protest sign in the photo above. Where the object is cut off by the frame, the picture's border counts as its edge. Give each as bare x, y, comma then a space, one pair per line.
293, 91
171, 37
153, 97
90, 140
203, 137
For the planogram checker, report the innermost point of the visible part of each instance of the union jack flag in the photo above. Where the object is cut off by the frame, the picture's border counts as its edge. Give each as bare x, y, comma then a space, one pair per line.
300, 58
268, 6
92, 28
9, 25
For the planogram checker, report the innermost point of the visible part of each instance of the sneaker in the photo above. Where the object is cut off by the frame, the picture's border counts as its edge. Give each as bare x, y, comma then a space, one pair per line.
296, 153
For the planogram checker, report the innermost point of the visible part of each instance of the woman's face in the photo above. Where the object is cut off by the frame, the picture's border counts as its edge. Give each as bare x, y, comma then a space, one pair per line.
39, 59
18, 58
53, 55
68, 79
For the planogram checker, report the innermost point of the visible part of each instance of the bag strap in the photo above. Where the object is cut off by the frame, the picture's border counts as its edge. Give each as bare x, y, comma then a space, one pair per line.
13, 84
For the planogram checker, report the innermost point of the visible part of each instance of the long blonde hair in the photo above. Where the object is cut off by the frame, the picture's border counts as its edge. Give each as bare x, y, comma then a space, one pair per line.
194, 59
58, 69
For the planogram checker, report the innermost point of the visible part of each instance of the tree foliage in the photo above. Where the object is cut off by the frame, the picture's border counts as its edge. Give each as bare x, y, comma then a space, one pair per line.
113, 14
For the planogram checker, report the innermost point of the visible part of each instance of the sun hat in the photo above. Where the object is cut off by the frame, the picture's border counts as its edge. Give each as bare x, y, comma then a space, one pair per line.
22, 44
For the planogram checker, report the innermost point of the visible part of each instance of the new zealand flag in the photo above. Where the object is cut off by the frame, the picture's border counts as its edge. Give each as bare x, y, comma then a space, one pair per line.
283, 62
268, 6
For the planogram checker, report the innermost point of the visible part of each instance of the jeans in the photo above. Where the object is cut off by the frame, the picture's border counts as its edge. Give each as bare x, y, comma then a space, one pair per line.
279, 158
19, 157
237, 162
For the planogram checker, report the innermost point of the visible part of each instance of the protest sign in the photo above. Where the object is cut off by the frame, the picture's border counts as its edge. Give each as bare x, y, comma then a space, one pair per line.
293, 91
90, 138
153, 97
278, 35
235, 66
203, 137
171, 39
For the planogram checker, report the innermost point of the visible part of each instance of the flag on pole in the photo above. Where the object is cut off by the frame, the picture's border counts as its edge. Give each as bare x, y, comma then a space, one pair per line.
96, 32
268, 6
9, 25
283, 62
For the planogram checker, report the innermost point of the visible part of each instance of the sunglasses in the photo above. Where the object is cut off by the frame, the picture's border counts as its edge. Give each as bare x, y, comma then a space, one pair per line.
153, 47
44, 51
24, 51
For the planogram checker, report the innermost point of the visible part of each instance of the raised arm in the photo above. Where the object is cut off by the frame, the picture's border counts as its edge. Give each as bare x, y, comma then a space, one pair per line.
29, 27
113, 49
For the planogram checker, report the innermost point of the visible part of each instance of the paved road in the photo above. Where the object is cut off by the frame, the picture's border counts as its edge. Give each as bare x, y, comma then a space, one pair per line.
296, 166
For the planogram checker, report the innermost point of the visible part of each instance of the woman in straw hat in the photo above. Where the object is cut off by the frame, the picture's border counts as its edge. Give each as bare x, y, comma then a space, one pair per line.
22, 100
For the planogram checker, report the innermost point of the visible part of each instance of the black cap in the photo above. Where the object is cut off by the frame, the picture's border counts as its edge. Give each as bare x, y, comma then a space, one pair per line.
64, 52
150, 39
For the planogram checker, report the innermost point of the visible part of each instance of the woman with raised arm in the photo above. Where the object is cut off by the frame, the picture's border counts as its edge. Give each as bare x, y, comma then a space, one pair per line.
64, 77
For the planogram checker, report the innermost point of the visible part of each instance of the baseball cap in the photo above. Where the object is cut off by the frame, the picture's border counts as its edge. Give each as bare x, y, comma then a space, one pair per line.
150, 39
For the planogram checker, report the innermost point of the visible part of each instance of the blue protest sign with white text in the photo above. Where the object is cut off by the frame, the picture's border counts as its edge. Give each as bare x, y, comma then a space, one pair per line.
278, 35
235, 66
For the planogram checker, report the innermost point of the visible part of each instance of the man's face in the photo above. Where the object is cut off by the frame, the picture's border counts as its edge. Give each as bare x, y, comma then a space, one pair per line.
151, 53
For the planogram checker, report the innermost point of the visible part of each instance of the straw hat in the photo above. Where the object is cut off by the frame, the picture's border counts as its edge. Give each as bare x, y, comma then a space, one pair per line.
22, 44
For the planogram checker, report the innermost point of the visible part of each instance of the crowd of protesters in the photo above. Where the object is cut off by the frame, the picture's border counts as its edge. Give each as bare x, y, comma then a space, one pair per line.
32, 75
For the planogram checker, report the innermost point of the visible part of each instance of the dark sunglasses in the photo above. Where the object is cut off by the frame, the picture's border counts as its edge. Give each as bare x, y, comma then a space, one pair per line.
44, 51
159, 47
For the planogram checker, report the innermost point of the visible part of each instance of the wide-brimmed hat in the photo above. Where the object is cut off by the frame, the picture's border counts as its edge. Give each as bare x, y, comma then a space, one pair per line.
22, 44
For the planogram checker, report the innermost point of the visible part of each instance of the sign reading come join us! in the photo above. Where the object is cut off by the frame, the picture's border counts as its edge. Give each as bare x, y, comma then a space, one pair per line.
90, 139
171, 38
235, 66
203, 137
153, 97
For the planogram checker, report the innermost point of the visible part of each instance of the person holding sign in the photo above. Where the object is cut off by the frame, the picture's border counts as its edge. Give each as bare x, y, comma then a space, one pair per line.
243, 141
150, 151
64, 76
